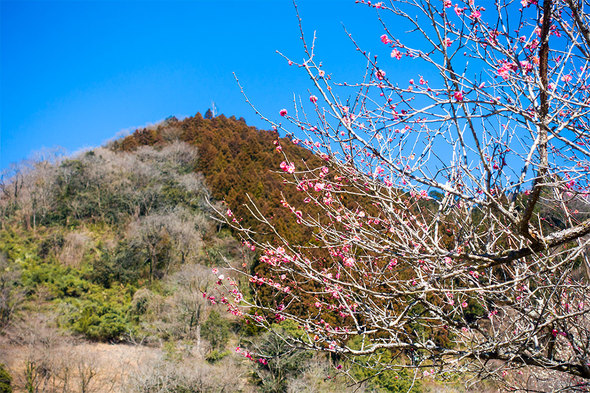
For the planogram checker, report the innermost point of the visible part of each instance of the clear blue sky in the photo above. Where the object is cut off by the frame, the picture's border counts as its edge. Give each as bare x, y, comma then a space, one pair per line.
76, 73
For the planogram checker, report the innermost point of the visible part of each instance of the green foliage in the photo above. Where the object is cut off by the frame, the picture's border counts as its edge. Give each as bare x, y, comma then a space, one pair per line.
172, 352
122, 264
216, 355
374, 370
103, 314
11, 293
31, 375
51, 243
60, 281
5, 380
216, 330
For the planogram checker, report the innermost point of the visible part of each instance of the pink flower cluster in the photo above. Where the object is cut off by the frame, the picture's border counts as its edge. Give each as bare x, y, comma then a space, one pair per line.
396, 54
276, 257
506, 68
249, 356
289, 168
269, 281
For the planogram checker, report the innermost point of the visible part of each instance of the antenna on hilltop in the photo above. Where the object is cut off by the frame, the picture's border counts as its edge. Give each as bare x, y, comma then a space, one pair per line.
213, 108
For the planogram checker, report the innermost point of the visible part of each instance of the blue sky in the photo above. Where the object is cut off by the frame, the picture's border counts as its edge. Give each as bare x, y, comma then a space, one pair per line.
76, 73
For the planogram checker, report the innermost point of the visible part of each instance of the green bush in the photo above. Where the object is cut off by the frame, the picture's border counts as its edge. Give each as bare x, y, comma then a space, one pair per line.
61, 281
216, 330
124, 264
216, 355
380, 379
103, 315
5, 380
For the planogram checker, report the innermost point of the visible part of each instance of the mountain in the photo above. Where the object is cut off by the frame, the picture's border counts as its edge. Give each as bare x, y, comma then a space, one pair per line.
116, 245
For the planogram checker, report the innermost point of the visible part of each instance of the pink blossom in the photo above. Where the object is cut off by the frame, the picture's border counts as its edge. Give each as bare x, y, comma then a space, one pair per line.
458, 95
475, 15
229, 213
464, 304
448, 42
283, 112
448, 3
458, 10
566, 78
319, 187
396, 54
380, 75
289, 168
385, 39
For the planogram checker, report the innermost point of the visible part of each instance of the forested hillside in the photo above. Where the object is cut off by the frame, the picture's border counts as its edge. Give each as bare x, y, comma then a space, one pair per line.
105, 258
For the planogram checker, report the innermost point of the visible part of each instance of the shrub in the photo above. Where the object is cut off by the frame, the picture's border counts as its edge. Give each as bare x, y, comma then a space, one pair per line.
5, 380
216, 330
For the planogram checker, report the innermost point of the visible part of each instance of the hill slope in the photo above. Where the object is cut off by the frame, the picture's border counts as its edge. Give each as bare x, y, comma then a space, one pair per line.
116, 245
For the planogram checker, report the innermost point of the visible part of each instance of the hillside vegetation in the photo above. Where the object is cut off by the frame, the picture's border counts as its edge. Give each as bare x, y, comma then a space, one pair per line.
105, 257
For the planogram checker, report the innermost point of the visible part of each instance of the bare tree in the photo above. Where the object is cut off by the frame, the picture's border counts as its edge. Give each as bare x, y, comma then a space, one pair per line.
167, 237
450, 220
